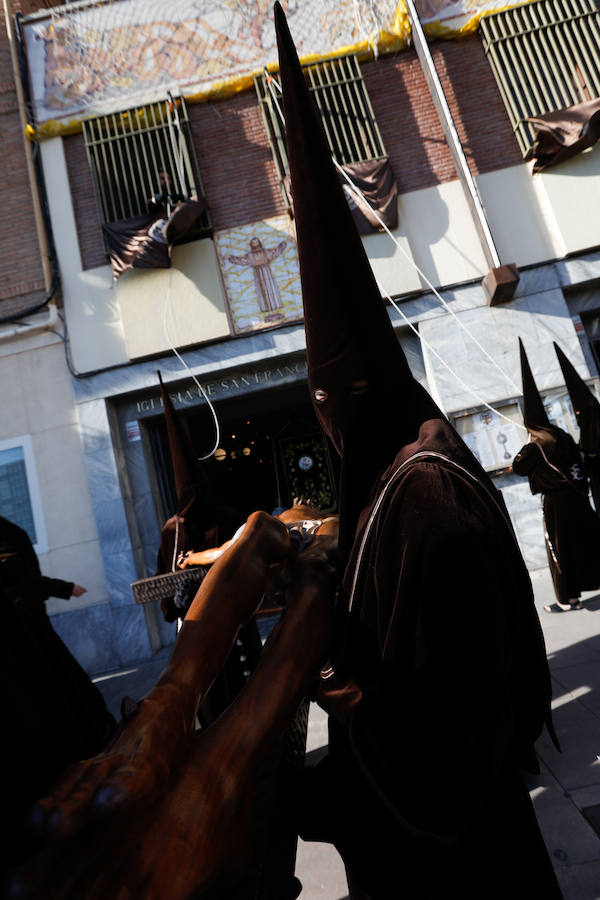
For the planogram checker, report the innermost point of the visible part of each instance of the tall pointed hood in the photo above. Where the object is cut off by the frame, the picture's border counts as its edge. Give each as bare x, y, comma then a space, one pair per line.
585, 404
361, 386
534, 414
188, 476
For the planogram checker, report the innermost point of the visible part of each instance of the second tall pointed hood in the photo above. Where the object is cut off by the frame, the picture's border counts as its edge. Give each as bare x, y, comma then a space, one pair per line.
534, 414
585, 404
191, 483
361, 386
558, 447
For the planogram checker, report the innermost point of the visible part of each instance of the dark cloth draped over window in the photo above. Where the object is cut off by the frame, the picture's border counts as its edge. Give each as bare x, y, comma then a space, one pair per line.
564, 133
142, 242
375, 180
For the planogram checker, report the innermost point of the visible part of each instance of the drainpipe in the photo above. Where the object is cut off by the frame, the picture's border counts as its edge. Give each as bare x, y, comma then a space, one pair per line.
34, 171
500, 282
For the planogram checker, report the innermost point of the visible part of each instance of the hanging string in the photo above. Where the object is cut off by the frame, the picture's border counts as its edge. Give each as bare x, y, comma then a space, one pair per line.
187, 368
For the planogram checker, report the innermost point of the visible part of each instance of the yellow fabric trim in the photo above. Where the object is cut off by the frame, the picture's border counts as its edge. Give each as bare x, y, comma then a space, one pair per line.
439, 30
388, 41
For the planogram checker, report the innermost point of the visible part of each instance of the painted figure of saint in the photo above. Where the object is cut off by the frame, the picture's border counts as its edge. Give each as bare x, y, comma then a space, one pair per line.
260, 259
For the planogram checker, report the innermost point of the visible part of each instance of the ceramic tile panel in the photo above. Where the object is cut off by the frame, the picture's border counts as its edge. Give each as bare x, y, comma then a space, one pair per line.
130, 635
88, 633
120, 572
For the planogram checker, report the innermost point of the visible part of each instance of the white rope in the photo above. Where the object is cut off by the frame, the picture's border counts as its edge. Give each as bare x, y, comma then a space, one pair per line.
174, 560
362, 199
187, 368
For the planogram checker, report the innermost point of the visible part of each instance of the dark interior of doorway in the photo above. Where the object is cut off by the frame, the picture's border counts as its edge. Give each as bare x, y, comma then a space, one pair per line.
251, 469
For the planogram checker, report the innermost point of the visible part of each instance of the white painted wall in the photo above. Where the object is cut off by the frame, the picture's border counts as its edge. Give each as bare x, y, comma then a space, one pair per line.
183, 305
391, 263
38, 401
441, 235
573, 192
533, 219
91, 308
520, 215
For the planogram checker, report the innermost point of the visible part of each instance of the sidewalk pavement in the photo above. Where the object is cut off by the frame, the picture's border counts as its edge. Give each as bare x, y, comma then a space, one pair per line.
566, 794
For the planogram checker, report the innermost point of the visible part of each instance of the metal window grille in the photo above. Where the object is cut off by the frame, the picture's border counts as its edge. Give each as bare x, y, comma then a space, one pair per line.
346, 112
545, 56
128, 151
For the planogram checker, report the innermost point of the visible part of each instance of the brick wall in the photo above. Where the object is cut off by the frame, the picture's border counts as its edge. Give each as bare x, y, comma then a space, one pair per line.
235, 160
410, 126
21, 273
234, 156
84, 203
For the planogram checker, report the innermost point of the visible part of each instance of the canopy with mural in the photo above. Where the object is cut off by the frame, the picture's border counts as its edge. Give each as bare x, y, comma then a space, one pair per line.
89, 57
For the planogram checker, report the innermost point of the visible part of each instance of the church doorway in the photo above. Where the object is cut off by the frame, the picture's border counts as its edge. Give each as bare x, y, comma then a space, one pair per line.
271, 450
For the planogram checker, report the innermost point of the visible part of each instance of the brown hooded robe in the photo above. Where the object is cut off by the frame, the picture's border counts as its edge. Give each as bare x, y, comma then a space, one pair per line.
554, 466
53, 713
439, 684
587, 411
201, 522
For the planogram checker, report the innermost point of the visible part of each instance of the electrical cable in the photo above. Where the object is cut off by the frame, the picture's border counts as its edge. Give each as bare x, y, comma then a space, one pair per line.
166, 310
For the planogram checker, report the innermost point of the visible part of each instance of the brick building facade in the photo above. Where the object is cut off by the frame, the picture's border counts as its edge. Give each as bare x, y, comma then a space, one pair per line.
103, 391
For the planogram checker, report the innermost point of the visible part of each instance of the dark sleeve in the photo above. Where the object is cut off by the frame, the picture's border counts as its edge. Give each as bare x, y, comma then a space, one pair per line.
526, 459
592, 463
437, 725
56, 587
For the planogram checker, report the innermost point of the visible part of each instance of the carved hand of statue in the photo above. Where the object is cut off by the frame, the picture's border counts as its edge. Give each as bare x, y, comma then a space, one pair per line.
196, 833
137, 764
129, 772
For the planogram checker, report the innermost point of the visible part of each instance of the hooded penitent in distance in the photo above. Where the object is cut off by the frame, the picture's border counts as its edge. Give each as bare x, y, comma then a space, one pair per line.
428, 721
554, 466
199, 521
587, 411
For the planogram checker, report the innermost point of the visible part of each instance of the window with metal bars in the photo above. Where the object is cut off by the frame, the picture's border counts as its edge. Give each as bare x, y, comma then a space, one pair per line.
346, 112
142, 157
545, 56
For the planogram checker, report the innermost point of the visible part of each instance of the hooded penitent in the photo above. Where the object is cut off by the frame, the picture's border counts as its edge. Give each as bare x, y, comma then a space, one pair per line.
186, 471
557, 446
361, 386
426, 538
195, 506
199, 521
587, 411
585, 405
552, 462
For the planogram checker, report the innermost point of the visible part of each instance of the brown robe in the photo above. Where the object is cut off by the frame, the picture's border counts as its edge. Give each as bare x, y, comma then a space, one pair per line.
554, 466
53, 713
422, 788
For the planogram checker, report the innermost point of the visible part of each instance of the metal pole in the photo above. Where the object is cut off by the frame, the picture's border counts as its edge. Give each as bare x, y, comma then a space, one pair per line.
443, 110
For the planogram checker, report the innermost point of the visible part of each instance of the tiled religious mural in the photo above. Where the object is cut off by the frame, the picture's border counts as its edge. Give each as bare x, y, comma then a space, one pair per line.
260, 270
